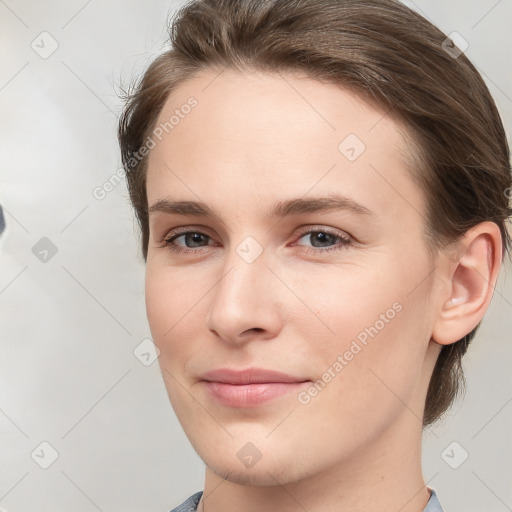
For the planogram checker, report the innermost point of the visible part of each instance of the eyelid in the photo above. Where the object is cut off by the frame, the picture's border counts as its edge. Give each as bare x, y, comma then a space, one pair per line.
312, 228
309, 228
195, 228
167, 240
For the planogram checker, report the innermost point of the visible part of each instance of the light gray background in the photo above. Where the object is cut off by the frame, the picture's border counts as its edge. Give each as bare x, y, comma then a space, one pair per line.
68, 375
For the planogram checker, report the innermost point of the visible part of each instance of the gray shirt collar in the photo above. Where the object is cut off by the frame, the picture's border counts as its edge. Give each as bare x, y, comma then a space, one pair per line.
190, 504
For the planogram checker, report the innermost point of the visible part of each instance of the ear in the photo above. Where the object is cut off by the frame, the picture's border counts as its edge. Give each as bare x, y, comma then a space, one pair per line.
474, 270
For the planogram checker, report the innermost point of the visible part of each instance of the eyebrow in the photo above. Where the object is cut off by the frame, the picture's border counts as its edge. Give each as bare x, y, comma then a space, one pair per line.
281, 209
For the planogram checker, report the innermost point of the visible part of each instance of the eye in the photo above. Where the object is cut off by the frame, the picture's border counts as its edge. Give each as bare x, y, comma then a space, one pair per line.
191, 240
323, 240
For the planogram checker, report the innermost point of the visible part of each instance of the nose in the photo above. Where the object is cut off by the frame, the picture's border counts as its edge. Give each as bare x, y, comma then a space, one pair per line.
246, 301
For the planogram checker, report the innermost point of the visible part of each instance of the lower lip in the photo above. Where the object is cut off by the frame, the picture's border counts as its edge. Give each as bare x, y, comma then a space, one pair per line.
251, 395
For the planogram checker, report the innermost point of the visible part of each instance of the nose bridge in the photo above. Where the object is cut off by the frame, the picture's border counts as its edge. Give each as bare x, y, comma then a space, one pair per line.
242, 282
246, 264
243, 297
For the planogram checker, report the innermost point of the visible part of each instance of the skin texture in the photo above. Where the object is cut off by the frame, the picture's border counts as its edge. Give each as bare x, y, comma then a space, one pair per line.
252, 141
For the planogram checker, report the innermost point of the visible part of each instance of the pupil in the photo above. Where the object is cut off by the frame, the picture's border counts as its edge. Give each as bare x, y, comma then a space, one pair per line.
322, 237
193, 238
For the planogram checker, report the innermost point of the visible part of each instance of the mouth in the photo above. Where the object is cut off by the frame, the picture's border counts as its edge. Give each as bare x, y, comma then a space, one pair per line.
251, 387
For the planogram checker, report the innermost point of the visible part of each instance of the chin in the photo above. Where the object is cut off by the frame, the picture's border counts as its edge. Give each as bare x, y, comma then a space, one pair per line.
272, 469
232, 472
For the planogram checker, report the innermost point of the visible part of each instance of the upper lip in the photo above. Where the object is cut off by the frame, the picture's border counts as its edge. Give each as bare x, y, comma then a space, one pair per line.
248, 376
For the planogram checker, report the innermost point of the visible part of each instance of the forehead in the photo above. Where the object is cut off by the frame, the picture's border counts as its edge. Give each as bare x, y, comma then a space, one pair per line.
275, 136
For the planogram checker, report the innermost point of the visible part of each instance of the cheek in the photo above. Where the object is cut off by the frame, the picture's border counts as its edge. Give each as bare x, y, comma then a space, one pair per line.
173, 302
372, 362
347, 300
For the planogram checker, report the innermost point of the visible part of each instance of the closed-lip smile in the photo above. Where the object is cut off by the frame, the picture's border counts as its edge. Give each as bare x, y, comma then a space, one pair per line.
249, 387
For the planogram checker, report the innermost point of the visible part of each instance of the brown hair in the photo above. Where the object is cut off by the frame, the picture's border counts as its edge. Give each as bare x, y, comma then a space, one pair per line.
383, 51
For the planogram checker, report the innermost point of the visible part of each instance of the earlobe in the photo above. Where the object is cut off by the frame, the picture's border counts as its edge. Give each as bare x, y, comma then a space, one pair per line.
474, 272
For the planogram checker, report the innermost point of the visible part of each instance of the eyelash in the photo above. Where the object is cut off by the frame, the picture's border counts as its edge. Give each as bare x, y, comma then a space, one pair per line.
343, 241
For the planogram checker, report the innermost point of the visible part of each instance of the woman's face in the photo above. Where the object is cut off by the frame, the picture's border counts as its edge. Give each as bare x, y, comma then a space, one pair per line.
305, 255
